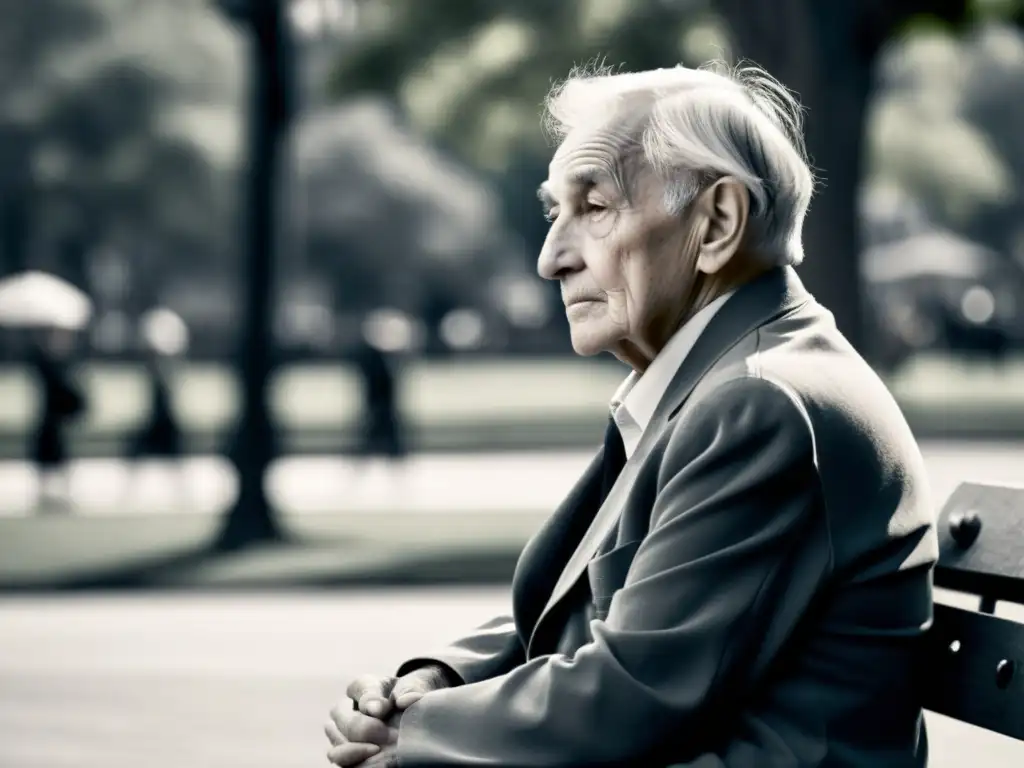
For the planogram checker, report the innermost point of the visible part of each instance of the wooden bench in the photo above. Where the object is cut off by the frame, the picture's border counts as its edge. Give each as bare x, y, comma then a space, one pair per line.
973, 666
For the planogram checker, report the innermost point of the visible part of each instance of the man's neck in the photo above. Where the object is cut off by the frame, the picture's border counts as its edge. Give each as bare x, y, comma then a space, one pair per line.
639, 355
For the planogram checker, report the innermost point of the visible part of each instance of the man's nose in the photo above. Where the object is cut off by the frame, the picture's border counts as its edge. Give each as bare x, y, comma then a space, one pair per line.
557, 259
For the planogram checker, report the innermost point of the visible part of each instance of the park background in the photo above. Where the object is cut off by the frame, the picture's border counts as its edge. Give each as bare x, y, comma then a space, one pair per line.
369, 166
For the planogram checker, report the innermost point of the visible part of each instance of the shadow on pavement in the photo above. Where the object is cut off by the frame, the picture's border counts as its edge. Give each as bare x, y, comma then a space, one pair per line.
336, 563
135, 575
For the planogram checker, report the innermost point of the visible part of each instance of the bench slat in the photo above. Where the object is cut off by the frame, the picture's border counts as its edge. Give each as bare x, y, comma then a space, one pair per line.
965, 683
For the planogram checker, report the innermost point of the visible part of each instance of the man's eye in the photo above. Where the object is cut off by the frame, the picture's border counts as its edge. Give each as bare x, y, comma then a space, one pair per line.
551, 213
592, 208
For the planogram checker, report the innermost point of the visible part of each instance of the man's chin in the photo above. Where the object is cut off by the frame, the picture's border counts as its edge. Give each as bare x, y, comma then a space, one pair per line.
587, 344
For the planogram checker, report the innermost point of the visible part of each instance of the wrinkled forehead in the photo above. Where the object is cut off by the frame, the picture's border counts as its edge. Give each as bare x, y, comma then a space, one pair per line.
613, 129
608, 154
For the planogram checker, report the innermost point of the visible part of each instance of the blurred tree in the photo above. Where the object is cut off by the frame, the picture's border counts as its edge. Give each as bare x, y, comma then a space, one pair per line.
826, 50
271, 107
946, 128
993, 102
470, 74
935, 131
31, 35
125, 123
375, 193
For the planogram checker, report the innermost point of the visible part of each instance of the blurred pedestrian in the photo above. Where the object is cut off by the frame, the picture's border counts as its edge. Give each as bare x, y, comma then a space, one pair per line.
159, 443
382, 430
160, 436
62, 402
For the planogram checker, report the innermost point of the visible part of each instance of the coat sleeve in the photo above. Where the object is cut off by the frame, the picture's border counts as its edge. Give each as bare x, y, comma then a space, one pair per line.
491, 650
736, 551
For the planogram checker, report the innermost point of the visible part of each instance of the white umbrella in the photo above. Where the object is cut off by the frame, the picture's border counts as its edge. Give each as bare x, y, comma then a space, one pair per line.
41, 300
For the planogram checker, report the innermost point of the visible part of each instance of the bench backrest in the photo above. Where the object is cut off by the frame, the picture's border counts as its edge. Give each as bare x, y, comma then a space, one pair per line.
973, 665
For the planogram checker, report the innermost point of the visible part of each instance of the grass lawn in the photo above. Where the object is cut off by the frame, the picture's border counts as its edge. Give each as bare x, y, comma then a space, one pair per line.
481, 403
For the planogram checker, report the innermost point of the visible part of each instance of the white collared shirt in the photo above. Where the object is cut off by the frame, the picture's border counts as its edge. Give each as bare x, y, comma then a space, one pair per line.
637, 398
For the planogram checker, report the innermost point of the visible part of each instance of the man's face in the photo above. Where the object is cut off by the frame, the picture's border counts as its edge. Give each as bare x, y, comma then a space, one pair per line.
626, 266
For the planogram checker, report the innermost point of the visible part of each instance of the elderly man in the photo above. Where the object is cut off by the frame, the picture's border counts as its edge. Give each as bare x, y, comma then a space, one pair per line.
743, 573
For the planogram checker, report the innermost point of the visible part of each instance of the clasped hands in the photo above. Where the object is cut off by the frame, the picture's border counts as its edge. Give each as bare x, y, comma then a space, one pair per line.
363, 728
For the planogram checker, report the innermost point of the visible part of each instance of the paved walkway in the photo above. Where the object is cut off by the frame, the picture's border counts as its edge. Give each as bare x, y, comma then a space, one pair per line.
207, 681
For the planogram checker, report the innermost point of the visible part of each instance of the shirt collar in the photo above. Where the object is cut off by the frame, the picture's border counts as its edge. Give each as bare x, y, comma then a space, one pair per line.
636, 399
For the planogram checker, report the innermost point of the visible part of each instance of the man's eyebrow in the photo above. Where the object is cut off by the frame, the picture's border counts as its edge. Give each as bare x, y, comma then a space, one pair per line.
583, 177
590, 177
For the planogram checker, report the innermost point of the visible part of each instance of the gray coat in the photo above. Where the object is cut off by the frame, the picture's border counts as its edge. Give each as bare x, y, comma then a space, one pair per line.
751, 593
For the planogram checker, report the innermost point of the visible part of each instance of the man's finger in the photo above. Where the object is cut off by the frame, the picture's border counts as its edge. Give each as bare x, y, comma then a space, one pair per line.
412, 687
355, 726
333, 734
372, 694
408, 698
351, 753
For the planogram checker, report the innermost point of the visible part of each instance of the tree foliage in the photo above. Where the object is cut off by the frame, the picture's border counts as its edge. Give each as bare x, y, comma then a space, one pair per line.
119, 125
373, 194
472, 73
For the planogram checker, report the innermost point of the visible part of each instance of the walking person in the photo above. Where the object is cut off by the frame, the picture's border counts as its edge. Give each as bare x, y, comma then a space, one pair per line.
382, 431
61, 403
159, 443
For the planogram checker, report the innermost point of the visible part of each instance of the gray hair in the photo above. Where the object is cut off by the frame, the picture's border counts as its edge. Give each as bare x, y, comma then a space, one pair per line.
697, 125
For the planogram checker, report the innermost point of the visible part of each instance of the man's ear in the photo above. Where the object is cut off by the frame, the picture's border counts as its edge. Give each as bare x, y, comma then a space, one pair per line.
725, 206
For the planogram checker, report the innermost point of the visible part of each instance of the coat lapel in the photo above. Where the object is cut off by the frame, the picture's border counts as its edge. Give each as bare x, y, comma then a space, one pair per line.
546, 553
752, 306
600, 528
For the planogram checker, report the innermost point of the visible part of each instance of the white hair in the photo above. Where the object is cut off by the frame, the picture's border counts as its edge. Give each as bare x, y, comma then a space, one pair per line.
697, 125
